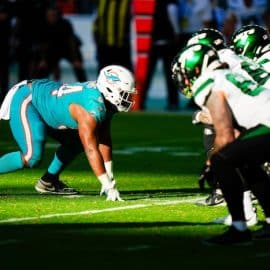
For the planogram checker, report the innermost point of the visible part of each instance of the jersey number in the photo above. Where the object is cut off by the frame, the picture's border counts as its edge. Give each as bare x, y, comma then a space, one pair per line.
67, 89
258, 74
246, 86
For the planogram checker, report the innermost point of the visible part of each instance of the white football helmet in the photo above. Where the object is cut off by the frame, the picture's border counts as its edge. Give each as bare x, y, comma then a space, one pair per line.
117, 85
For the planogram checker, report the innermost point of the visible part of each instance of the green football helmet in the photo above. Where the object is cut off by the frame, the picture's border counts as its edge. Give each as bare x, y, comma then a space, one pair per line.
208, 36
251, 41
190, 63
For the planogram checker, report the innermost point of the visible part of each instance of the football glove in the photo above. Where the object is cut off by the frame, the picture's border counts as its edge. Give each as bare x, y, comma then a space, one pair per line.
113, 195
111, 192
105, 188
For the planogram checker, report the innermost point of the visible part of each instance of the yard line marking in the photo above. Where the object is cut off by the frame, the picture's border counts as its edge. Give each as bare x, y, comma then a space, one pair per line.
87, 212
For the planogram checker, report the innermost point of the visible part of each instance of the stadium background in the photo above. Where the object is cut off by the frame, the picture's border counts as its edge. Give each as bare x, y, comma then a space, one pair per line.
82, 24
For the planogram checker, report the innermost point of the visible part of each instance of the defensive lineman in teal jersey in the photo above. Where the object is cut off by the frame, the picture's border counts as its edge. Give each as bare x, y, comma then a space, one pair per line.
33, 107
52, 100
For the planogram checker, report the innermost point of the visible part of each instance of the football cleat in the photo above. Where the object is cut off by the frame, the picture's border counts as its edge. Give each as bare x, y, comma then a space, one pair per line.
215, 198
56, 188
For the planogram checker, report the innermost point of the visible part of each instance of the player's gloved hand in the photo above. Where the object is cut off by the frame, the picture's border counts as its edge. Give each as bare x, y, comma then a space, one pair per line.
105, 188
111, 192
113, 195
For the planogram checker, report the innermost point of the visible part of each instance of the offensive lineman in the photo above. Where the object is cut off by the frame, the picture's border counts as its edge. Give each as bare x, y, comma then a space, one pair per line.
248, 68
230, 97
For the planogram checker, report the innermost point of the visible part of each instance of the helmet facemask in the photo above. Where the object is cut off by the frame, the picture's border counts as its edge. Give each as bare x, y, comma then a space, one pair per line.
123, 100
181, 80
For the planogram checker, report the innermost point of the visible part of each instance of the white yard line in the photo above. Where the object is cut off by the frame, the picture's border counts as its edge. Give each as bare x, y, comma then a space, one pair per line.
112, 209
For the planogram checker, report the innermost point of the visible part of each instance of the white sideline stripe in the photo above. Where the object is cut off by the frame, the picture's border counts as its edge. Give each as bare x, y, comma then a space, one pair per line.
87, 212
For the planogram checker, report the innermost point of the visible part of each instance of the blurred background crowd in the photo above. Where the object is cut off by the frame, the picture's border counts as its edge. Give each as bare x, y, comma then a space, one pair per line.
41, 38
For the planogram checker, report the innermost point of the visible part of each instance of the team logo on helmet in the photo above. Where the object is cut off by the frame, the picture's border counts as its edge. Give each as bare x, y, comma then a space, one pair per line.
111, 76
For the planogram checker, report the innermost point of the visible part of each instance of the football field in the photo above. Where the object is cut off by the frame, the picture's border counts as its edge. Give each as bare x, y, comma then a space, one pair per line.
157, 159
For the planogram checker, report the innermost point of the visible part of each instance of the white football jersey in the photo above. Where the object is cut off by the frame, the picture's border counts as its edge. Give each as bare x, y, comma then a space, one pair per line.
264, 61
248, 101
246, 67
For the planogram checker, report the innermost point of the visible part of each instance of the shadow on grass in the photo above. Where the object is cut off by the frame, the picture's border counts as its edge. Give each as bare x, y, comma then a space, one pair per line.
129, 245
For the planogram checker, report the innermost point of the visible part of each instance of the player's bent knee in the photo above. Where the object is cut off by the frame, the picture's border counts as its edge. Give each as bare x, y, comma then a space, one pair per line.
33, 162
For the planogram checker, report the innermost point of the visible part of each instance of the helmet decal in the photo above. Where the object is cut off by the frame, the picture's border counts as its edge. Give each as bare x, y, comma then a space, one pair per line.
111, 76
208, 36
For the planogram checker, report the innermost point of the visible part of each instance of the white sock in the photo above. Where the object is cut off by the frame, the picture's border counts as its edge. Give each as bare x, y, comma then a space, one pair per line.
247, 203
239, 225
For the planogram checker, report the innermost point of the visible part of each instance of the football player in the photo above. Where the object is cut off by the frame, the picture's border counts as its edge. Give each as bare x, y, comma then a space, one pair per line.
31, 106
253, 41
248, 68
231, 97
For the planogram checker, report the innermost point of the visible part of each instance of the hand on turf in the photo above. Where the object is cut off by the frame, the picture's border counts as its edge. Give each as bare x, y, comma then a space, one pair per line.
113, 195
104, 188
111, 192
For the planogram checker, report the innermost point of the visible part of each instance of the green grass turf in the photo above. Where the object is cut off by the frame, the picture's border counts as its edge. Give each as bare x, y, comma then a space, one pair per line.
157, 158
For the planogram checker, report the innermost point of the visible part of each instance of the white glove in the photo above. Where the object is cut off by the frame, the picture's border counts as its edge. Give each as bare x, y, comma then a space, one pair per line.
105, 188
113, 195
111, 192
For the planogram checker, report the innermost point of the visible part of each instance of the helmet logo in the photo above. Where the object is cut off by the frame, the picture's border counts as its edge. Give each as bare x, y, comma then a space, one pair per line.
188, 54
244, 34
111, 76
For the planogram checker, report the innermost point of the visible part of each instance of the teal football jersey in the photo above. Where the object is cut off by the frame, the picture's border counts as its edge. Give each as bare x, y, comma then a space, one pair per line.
52, 100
